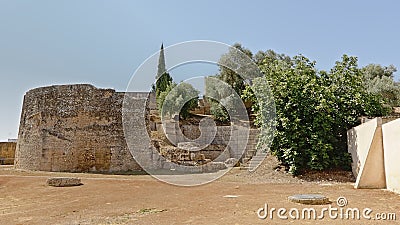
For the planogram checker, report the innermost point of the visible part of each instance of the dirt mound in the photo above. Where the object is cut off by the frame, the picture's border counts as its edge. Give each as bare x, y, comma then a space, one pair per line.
272, 171
329, 175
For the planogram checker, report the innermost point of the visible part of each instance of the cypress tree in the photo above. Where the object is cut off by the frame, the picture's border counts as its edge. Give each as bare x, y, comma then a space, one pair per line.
163, 78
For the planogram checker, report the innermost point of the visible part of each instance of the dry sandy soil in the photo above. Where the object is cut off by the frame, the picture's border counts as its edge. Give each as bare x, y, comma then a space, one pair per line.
141, 199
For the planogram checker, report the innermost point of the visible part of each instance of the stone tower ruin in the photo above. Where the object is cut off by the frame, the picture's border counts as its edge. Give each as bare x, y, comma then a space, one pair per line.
73, 128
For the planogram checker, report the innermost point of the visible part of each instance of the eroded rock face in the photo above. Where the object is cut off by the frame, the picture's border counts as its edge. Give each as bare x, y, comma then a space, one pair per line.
63, 181
74, 128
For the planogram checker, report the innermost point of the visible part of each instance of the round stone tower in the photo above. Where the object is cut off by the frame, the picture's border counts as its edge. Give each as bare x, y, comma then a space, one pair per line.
73, 128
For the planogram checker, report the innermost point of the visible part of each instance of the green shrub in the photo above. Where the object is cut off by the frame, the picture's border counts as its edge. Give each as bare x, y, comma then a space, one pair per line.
314, 110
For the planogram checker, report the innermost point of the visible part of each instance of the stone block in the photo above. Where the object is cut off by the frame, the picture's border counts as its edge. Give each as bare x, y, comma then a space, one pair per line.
63, 181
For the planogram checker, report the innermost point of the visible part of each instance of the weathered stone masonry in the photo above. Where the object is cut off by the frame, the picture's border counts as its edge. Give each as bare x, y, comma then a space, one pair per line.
79, 128
75, 128
7, 152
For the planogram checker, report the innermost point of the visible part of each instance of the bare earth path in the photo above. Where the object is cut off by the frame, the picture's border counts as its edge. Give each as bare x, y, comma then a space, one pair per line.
140, 199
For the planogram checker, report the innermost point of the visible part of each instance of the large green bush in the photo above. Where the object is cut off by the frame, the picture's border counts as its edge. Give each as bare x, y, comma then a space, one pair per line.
314, 110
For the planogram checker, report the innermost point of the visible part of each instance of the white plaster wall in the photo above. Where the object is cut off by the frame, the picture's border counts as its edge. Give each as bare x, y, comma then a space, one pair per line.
359, 142
391, 145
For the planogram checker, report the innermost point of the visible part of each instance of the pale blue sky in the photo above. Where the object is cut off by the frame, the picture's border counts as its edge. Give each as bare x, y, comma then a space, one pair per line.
103, 42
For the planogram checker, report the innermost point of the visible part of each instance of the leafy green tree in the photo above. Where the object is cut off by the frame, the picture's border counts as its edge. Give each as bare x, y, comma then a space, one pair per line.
372, 71
178, 100
235, 66
225, 102
162, 83
380, 80
219, 111
314, 110
161, 98
164, 80
343, 100
269, 56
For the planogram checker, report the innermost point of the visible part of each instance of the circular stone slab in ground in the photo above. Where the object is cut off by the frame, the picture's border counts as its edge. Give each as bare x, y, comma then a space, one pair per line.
309, 199
63, 181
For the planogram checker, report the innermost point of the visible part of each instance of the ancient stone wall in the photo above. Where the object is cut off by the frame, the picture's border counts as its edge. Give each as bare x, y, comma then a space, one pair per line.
7, 152
242, 138
74, 128
80, 128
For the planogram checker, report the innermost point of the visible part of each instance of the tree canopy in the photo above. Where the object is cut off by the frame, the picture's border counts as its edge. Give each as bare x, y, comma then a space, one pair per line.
314, 109
234, 67
380, 80
178, 99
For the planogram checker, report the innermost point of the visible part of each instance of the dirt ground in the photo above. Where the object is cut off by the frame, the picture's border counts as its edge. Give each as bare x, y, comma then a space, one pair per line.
141, 199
